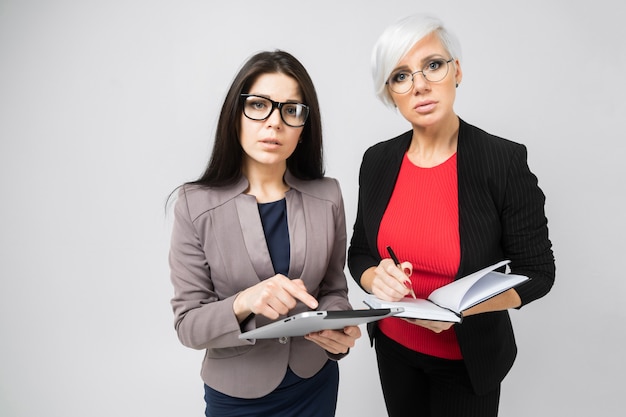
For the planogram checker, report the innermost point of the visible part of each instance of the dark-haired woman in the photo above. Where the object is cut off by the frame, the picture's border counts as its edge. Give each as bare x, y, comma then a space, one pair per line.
262, 234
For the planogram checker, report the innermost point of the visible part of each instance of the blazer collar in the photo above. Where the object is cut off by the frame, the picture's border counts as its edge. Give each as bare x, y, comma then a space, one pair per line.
242, 184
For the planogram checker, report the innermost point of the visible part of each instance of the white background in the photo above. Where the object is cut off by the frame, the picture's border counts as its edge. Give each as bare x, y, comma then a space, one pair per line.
105, 107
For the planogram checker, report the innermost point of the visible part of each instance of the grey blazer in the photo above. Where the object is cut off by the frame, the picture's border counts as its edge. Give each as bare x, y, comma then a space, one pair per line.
218, 249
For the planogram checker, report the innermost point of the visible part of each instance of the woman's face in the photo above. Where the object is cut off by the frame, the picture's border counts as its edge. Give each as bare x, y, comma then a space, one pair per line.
268, 143
427, 103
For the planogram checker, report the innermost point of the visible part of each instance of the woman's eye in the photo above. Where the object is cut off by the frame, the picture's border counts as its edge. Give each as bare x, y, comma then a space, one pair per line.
401, 77
258, 105
434, 65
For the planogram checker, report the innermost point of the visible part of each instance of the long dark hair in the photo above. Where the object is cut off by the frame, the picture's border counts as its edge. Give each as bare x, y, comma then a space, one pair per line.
306, 162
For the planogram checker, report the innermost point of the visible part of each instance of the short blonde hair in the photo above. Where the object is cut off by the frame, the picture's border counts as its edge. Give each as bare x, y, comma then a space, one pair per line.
394, 43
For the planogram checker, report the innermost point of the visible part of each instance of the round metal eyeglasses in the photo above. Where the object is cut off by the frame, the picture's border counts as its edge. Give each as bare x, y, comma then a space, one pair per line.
435, 70
260, 108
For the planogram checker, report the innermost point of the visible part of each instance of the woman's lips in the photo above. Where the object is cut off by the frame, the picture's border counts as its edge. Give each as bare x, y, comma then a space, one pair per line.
270, 143
425, 106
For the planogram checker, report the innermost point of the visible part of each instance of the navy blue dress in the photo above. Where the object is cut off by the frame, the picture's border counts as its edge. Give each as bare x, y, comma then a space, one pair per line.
295, 396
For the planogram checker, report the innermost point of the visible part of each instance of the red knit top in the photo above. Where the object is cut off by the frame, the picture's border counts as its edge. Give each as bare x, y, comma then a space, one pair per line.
421, 224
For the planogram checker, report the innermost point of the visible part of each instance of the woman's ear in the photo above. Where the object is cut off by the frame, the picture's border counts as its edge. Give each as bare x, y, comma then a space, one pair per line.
458, 73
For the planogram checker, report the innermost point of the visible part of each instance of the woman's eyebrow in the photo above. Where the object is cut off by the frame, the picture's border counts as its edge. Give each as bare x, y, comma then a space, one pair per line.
423, 62
267, 96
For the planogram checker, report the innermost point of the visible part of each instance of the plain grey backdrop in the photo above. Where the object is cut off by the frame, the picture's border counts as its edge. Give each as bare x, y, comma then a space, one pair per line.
107, 106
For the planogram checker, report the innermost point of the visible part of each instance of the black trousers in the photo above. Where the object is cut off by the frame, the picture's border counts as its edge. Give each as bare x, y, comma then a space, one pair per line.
418, 385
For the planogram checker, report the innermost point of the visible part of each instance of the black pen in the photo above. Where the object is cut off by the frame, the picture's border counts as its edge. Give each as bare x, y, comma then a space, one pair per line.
397, 262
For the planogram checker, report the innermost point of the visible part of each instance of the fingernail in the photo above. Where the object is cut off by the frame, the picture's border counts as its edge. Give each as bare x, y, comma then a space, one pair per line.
407, 271
407, 284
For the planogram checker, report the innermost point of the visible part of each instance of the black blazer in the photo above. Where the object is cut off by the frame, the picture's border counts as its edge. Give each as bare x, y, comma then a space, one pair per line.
501, 216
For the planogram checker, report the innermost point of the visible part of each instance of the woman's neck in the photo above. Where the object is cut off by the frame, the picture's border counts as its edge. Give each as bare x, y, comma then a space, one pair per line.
266, 184
433, 145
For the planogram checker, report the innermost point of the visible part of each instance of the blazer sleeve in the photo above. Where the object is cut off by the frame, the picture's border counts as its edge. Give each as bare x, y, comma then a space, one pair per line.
201, 320
360, 255
525, 229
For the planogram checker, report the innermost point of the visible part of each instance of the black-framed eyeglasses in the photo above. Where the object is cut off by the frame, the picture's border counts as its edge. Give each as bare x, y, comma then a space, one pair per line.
435, 70
260, 108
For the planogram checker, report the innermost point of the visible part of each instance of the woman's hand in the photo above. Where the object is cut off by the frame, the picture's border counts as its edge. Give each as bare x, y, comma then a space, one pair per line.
391, 283
435, 326
272, 298
336, 341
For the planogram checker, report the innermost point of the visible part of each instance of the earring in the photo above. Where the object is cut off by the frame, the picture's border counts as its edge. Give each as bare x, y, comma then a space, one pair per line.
457, 85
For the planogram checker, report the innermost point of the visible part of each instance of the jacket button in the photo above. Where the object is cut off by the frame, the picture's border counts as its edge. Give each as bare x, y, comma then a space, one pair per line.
283, 340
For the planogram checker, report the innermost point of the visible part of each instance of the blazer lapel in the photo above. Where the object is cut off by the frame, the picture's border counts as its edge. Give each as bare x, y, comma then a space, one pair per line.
297, 233
253, 236
477, 211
